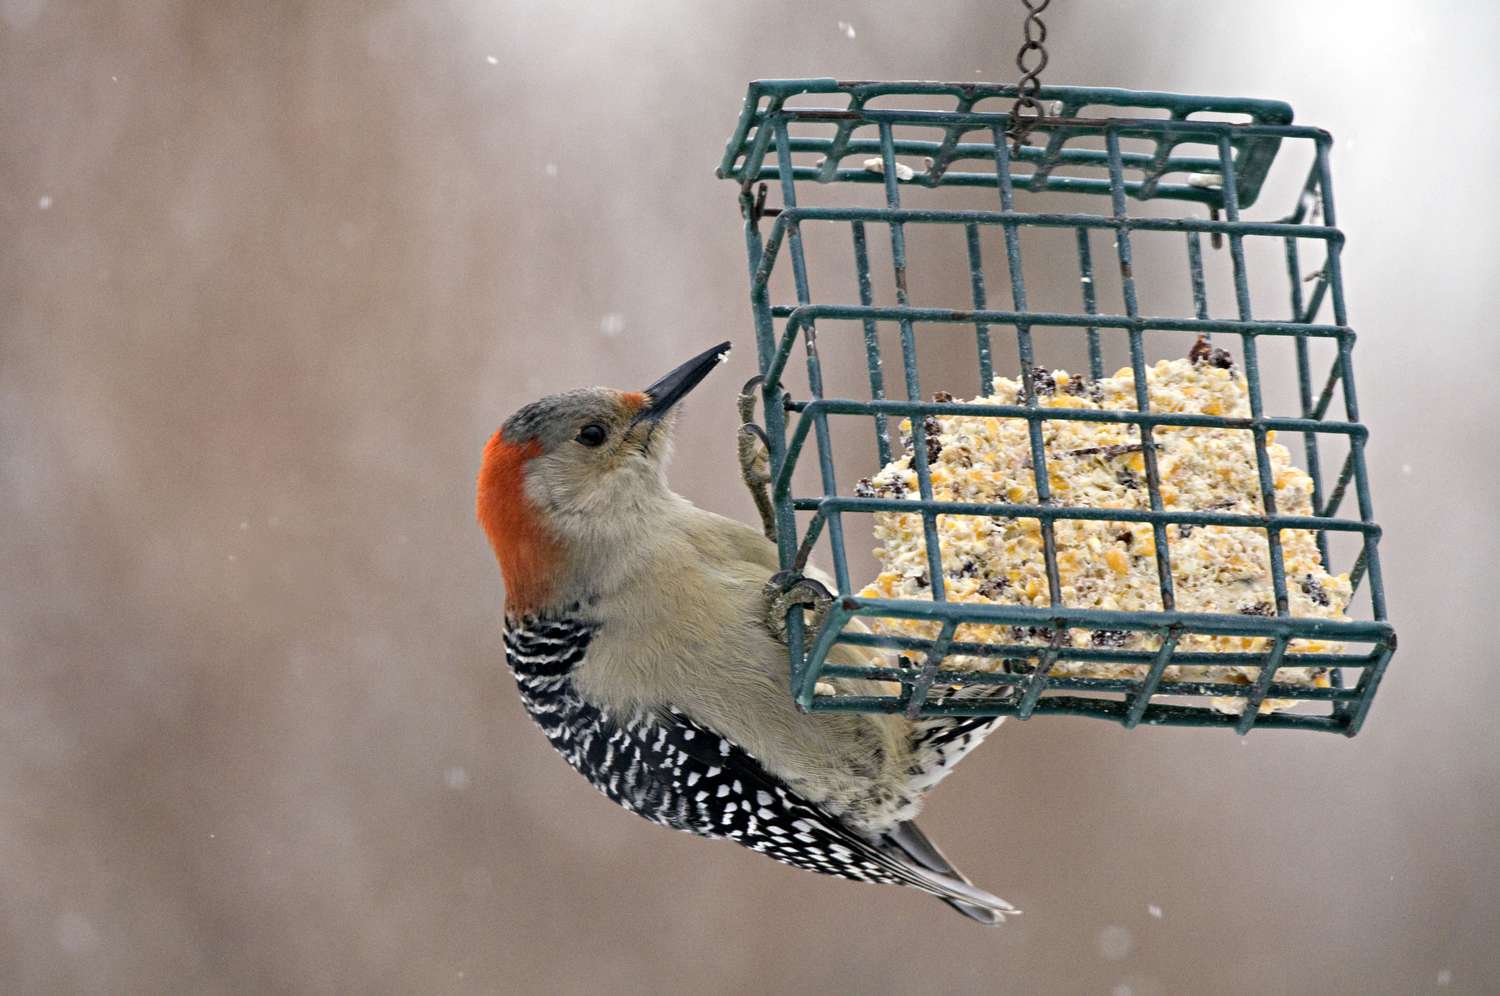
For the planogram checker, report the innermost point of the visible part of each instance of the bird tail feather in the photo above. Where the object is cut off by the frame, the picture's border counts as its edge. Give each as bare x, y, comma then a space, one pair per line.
943, 880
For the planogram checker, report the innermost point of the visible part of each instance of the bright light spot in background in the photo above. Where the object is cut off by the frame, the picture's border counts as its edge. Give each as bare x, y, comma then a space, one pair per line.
456, 778
492, 60
847, 29
1445, 977
612, 324
1115, 943
1155, 911
550, 169
44, 202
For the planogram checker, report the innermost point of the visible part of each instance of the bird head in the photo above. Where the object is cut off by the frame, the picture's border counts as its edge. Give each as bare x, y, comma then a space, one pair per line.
575, 472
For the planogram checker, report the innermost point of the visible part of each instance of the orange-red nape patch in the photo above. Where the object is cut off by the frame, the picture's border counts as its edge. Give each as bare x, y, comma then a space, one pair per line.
527, 551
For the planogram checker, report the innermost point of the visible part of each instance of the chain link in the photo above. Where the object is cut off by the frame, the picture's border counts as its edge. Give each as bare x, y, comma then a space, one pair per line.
1030, 60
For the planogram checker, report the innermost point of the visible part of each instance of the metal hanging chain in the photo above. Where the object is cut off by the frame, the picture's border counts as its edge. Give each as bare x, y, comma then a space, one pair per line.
1028, 110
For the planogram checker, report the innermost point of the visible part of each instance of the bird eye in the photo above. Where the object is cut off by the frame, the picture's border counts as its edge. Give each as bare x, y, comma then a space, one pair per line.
592, 434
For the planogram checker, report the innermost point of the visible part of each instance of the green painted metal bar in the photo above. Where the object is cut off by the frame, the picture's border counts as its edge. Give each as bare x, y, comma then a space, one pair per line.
977, 292
1091, 301
918, 690
1027, 357
1141, 697
965, 648
872, 341
1262, 687
1138, 367
909, 365
1252, 377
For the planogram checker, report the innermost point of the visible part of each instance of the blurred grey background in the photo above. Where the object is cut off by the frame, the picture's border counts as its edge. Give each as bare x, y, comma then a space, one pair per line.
271, 274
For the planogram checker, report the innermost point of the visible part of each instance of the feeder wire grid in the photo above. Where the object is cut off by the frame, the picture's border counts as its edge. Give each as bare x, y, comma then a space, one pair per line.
815, 136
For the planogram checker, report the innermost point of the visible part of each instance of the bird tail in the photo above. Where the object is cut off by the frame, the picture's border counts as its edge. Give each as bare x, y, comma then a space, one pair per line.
942, 879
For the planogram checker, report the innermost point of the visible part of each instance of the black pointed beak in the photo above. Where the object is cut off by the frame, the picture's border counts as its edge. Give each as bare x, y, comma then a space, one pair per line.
661, 396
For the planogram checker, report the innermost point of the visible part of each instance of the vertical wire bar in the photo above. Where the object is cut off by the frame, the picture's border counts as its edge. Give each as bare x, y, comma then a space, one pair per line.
775, 415
1090, 302
1044, 665
1336, 496
1369, 679
1138, 366
1335, 277
1304, 388
1303, 313
1142, 697
1314, 300
872, 341
814, 365
918, 690
1252, 370
981, 329
805, 689
1262, 685
1195, 274
909, 360
1028, 364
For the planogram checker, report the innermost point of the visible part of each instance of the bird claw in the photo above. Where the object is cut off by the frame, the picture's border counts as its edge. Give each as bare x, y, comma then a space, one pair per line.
755, 459
787, 589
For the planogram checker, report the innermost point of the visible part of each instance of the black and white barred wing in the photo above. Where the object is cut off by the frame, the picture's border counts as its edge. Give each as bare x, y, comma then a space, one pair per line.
724, 792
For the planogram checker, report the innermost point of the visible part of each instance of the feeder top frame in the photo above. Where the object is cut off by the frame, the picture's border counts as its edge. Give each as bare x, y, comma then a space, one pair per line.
1255, 127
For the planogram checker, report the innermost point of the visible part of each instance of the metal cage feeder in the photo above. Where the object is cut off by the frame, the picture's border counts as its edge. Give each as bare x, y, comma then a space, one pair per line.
1126, 164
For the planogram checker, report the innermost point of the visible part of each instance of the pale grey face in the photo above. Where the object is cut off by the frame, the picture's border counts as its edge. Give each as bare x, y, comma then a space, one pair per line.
602, 453
599, 451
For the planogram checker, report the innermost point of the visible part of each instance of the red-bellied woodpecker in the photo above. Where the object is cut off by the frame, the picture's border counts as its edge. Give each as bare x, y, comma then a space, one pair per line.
640, 630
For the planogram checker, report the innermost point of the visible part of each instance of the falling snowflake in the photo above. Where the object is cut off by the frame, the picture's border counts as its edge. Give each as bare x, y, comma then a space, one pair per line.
1115, 943
612, 324
847, 29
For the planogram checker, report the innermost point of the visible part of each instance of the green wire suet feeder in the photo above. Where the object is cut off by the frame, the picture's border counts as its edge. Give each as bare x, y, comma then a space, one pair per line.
1128, 164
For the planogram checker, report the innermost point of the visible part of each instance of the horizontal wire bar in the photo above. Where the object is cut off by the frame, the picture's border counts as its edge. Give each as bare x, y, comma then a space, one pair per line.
1055, 682
1126, 127
1205, 623
1156, 714
1054, 182
842, 406
1054, 219
1096, 655
803, 315
1009, 510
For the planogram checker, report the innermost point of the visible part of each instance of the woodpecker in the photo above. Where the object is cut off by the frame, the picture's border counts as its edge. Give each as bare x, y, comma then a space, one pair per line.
643, 636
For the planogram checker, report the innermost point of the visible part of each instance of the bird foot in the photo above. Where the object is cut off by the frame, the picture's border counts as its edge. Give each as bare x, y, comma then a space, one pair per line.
787, 589
755, 459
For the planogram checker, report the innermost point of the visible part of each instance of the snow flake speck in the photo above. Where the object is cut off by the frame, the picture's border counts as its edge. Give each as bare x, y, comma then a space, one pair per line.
1115, 943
